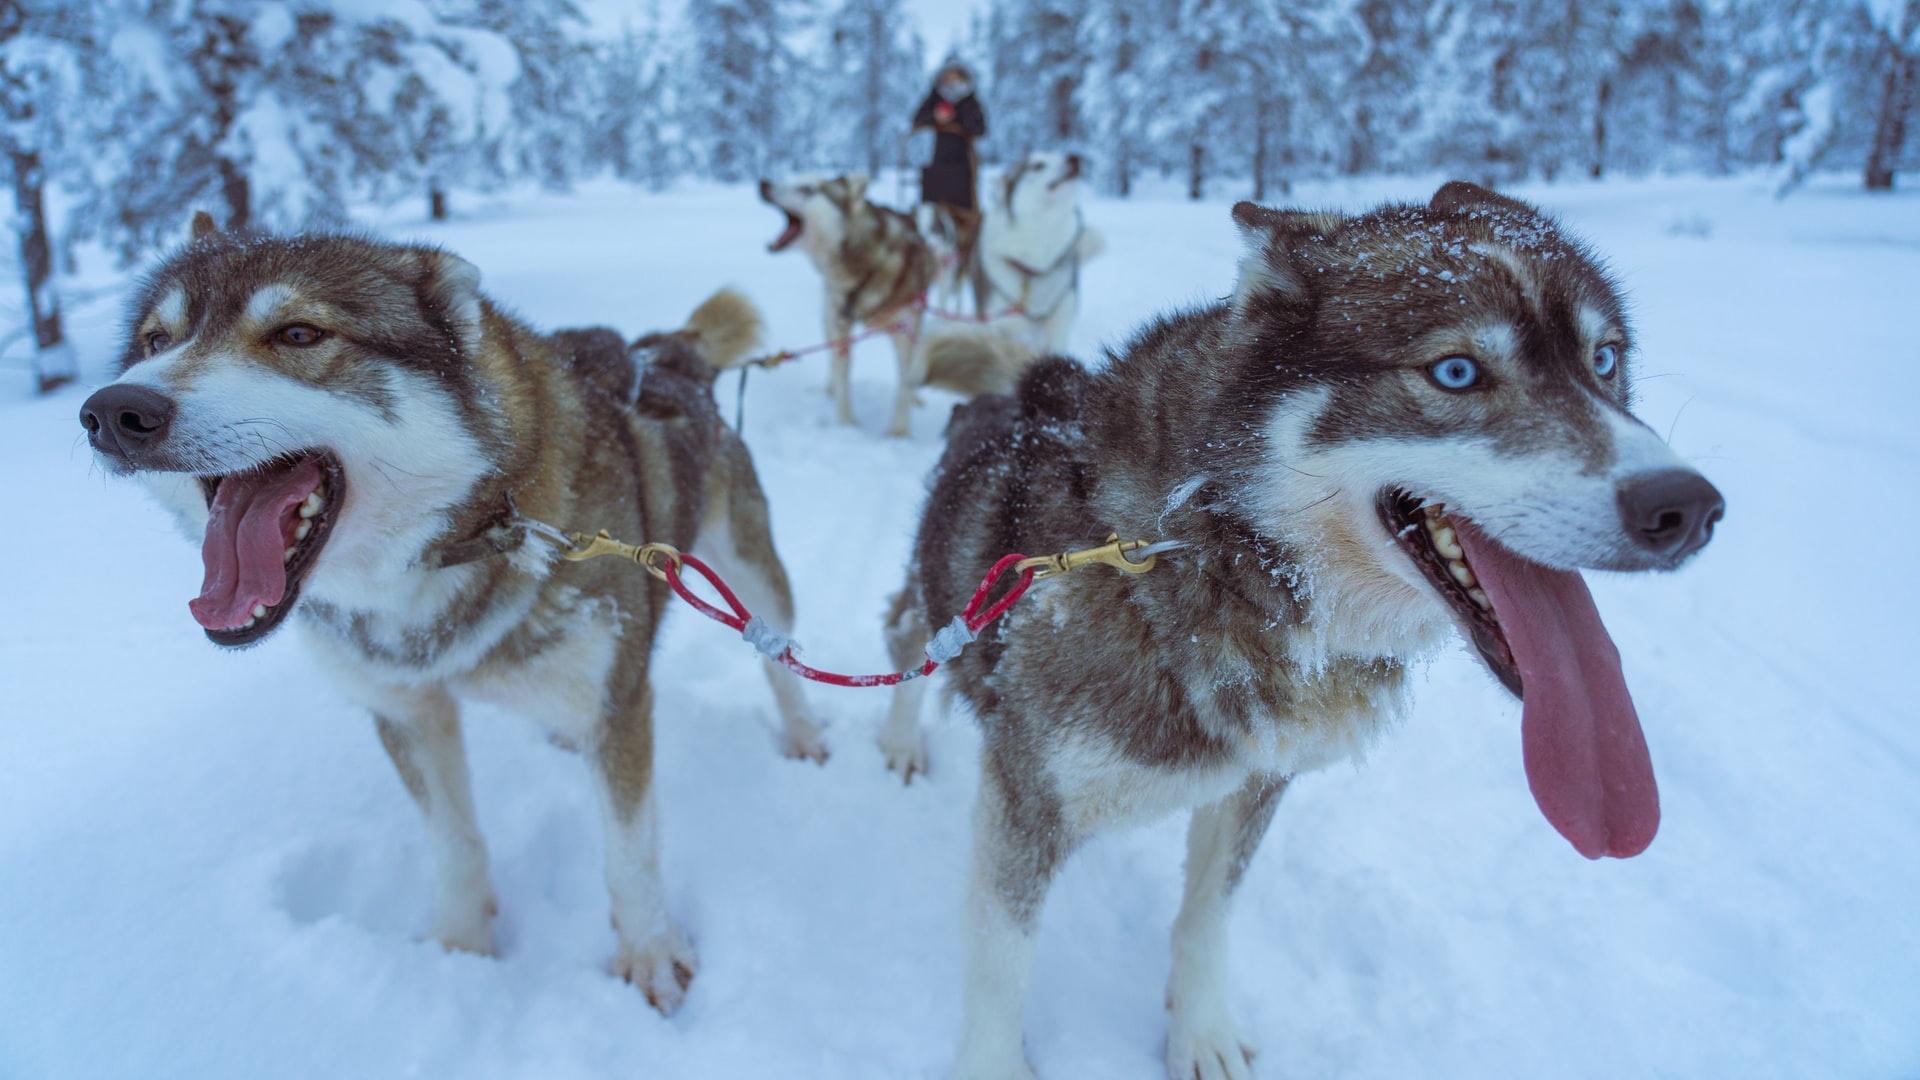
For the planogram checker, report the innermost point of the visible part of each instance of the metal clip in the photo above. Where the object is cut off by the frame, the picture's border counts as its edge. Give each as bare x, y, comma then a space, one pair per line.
586, 547
1112, 553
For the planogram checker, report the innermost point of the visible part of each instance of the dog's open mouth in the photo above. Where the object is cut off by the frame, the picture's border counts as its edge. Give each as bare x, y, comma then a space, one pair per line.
1428, 536
265, 530
1539, 632
1067, 175
787, 235
794, 225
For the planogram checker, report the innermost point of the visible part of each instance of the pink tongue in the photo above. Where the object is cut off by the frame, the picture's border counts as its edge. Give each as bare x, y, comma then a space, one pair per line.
1586, 758
244, 544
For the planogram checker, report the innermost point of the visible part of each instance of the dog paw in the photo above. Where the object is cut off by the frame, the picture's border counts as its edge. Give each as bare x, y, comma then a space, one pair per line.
905, 754
469, 930
805, 744
992, 1067
662, 969
1207, 1048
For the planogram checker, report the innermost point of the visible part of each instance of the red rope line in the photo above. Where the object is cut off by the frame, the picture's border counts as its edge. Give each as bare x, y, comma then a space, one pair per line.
738, 616
919, 304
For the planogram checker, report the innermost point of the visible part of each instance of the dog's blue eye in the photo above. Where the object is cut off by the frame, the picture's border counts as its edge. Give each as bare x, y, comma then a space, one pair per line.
300, 335
1454, 373
1606, 360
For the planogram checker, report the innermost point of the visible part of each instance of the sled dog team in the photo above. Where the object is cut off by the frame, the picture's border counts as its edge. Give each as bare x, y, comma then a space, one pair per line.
1401, 426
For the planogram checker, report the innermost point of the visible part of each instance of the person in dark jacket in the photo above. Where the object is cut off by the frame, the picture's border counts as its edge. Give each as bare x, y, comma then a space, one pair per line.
949, 182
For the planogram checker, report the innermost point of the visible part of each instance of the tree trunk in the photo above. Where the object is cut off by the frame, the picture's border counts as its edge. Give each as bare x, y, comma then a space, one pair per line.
52, 357
436, 201
1597, 166
1260, 151
238, 194
1123, 173
1896, 101
876, 86
1196, 172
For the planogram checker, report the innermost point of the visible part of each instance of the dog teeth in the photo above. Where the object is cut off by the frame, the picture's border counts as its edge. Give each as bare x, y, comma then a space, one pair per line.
287, 555
249, 624
1461, 574
301, 532
1479, 598
313, 504
259, 611
1445, 542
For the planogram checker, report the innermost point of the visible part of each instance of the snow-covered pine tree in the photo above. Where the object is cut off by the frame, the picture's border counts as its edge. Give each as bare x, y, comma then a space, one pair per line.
1898, 23
1383, 93
271, 113
1039, 58
871, 63
443, 92
546, 137
39, 83
1299, 54
740, 86
633, 130
1127, 42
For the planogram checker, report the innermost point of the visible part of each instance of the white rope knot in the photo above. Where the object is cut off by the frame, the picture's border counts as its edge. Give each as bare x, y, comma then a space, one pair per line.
950, 640
770, 643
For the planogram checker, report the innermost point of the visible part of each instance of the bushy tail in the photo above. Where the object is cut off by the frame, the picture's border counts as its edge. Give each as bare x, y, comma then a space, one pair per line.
975, 362
724, 329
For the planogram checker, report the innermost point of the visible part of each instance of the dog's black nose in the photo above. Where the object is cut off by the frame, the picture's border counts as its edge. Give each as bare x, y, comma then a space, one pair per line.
1671, 513
121, 419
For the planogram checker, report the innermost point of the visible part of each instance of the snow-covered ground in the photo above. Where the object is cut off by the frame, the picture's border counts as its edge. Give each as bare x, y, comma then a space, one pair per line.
208, 868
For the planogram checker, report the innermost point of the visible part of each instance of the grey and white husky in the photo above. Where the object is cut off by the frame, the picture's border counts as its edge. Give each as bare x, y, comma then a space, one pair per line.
351, 429
1402, 426
1033, 242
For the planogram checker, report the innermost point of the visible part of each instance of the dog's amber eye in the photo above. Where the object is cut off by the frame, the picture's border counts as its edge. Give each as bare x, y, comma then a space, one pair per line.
1455, 373
1606, 360
157, 341
300, 335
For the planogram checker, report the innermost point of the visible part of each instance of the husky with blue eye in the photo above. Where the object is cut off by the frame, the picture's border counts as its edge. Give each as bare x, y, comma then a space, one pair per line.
1403, 427
351, 431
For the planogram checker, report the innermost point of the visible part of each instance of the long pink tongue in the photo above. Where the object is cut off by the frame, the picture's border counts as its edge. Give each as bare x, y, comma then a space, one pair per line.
244, 544
1586, 758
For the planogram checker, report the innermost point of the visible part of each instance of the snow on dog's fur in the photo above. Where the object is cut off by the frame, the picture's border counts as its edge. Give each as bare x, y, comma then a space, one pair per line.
1401, 424
351, 428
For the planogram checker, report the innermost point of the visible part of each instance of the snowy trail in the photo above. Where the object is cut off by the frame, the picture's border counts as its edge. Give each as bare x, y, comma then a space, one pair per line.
207, 868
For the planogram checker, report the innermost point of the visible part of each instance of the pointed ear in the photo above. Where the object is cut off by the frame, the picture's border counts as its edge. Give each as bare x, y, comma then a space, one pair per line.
452, 285
1456, 196
202, 226
857, 185
1275, 241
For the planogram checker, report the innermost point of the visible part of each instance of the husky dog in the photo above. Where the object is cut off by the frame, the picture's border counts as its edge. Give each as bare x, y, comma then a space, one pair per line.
877, 268
954, 236
352, 431
1031, 246
1402, 425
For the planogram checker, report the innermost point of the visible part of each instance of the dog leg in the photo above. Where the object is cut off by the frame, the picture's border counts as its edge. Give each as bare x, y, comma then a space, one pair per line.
653, 954
1018, 844
902, 741
913, 372
740, 545
421, 731
1202, 1040
1060, 324
840, 375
